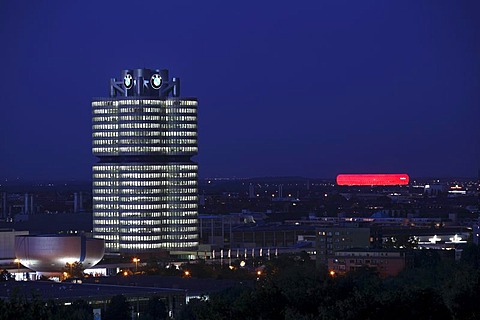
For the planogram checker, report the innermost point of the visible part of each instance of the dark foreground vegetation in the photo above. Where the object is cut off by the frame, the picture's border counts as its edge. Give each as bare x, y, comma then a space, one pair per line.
290, 287
34, 308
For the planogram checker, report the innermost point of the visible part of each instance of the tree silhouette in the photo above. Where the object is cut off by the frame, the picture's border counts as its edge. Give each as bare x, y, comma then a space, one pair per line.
155, 310
117, 309
74, 270
6, 276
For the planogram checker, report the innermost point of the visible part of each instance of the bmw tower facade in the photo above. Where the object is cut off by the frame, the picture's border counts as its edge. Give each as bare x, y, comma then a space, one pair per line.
145, 194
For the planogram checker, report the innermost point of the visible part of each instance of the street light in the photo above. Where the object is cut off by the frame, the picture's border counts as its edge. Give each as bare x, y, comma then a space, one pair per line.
136, 260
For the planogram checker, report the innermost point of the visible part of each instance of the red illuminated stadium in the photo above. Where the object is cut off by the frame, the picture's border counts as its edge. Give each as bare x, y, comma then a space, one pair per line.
372, 179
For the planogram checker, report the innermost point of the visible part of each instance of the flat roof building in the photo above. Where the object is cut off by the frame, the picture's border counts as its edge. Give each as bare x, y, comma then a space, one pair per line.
332, 239
385, 262
7, 243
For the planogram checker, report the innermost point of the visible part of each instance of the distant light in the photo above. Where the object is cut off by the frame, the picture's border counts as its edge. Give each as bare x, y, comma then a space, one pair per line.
435, 239
457, 192
242, 264
332, 273
457, 239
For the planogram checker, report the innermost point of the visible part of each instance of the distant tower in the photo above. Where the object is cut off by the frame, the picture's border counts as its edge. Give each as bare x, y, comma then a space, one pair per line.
4, 205
251, 191
77, 202
145, 194
26, 204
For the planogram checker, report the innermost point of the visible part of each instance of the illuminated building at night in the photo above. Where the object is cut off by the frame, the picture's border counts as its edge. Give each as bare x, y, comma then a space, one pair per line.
145, 183
372, 179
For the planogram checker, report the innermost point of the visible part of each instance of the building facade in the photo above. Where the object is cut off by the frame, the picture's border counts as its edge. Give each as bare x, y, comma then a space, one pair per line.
145, 193
388, 263
332, 239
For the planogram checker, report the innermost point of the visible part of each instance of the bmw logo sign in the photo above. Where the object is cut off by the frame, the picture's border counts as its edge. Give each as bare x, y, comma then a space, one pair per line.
156, 81
128, 81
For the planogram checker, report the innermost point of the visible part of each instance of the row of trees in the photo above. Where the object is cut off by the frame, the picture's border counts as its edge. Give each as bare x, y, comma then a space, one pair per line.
291, 288
201, 269
119, 309
35, 308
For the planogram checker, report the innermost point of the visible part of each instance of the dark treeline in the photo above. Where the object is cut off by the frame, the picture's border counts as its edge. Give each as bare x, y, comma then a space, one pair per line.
32, 307
291, 288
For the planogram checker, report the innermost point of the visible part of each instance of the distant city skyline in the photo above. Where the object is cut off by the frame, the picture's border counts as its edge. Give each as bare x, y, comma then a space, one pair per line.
313, 90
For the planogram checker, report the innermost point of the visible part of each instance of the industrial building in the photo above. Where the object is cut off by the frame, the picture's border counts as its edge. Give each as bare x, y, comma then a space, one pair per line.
145, 193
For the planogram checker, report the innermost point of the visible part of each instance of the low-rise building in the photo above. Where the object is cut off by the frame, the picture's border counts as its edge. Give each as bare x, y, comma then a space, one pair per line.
7, 244
385, 262
332, 239
271, 236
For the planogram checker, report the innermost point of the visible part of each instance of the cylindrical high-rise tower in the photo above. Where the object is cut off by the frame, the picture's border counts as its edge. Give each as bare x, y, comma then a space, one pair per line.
145, 184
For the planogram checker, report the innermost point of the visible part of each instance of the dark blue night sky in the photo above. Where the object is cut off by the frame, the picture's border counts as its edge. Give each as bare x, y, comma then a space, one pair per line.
308, 88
